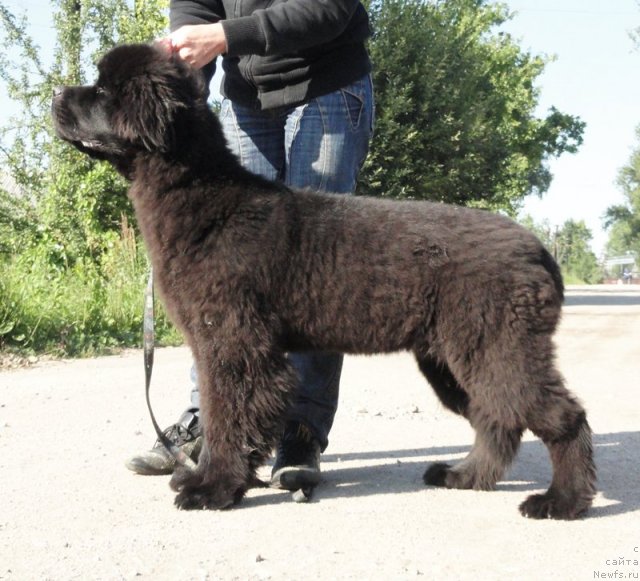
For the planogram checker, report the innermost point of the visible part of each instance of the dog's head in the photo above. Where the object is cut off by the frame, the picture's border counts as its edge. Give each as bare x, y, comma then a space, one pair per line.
132, 107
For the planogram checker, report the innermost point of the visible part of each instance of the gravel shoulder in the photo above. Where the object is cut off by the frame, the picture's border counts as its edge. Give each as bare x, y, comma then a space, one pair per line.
70, 510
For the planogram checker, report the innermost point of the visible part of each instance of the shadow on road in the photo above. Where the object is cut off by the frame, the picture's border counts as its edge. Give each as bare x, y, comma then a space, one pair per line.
617, 458
618, 463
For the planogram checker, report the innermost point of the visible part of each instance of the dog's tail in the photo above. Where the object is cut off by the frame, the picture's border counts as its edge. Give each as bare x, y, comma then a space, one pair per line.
551, 266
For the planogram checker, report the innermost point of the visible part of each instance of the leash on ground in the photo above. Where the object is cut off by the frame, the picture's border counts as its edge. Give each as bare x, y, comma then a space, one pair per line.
148, 342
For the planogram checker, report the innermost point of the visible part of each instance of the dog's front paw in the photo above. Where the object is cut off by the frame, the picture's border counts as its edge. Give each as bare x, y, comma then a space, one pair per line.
205, 498
195, 492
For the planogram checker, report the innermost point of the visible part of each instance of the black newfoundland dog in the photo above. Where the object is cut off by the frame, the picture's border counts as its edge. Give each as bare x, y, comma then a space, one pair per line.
250, 270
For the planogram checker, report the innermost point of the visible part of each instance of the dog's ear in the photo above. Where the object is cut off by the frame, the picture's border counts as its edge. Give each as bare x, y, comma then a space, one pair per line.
151, 92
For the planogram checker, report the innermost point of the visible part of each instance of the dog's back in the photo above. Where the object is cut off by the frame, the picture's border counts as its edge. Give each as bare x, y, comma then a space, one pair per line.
367, 275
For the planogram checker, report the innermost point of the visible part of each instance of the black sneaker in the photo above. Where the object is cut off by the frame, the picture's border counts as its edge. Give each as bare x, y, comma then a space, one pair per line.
187, 434
297, 464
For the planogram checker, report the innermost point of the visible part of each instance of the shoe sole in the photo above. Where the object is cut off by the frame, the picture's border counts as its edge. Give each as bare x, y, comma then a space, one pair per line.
295, 478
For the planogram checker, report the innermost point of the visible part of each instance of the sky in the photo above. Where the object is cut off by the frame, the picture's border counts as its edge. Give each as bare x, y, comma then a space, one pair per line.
595, 76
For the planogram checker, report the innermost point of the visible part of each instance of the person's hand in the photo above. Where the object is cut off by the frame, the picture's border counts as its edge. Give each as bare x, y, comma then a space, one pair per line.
197, 44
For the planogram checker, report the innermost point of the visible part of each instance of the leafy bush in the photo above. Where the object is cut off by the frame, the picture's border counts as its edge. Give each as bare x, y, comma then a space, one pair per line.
83, 309
455, 107
71, 271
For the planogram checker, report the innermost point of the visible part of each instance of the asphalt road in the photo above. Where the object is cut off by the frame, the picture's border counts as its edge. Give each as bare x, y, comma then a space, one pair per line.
70, 510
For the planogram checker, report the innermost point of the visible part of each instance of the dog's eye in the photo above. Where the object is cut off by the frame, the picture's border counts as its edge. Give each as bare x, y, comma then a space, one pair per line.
101, 91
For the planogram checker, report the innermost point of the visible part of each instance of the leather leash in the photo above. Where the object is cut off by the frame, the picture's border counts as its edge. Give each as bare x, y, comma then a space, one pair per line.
148, 342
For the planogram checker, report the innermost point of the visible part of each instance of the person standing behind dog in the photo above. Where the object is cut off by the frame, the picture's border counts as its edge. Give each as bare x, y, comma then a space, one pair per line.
298, 107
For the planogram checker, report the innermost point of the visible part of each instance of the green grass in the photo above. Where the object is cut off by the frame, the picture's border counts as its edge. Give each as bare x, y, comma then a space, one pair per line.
85, 310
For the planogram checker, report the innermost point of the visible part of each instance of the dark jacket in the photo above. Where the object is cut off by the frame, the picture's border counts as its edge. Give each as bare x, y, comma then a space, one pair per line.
283, 52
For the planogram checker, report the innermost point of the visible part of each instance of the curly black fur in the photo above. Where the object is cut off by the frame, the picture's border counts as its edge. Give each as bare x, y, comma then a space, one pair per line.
249, 270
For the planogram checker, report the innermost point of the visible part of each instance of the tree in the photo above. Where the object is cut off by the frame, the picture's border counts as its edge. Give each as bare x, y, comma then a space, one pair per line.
623, 220
570, 246
72, 268
455, 102
573, 252
79, 202
543, 230
23, 74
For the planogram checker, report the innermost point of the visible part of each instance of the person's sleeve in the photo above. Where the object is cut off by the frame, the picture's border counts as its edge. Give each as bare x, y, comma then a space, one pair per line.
288, 26
182, 12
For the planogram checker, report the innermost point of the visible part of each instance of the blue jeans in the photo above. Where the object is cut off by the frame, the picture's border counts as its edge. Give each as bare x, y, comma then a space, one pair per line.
321, 146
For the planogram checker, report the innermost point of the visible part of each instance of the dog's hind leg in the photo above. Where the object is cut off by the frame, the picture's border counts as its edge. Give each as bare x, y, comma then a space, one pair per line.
509, 395
244, 393
444, 384
494, 449
495, 445
560, 422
